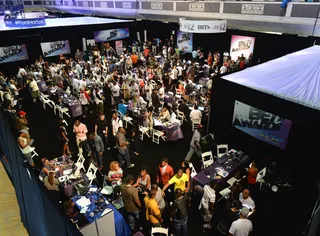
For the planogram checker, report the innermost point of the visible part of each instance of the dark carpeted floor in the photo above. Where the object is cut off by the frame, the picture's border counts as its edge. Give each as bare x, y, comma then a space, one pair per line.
276, 212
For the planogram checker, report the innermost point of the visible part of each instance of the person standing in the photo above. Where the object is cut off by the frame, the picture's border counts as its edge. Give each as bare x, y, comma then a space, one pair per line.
247, 201
80, 130
180, 180
195, 144
180, 213
242, 226
122, 146
84, 99
131, 202
153, 214
35, 92
165, 172
207, 203
116, 123
97, 147
24, 145
101, 128
158, 197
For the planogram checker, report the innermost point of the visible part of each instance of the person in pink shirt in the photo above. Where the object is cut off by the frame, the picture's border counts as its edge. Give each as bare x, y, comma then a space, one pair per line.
81, 131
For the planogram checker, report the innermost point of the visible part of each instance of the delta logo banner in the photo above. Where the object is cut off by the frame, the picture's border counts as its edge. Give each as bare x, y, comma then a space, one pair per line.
262, 125
110, 35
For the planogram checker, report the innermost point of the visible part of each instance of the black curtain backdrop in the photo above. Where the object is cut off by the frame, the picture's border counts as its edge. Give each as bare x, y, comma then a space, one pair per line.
300, 155
39, 214
267, 46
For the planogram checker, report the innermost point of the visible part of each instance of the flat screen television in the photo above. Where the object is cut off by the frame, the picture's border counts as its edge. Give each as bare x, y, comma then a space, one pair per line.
13, 53
51, 49
110, 35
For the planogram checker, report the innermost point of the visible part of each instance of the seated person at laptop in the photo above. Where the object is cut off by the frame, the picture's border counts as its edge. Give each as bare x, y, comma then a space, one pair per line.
122, 108
46, 167
164, 115
52, 185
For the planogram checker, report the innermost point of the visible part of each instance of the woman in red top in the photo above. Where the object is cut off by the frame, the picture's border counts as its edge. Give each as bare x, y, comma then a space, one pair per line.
252, 173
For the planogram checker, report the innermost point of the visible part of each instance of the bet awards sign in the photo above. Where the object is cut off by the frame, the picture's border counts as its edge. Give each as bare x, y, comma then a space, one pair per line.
203, 26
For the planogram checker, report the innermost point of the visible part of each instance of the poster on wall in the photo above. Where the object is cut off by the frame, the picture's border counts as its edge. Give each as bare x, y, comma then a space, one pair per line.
13, 53
110, 35
262, 125
91, 42
119, 47
56, 48
185, 41
241, 45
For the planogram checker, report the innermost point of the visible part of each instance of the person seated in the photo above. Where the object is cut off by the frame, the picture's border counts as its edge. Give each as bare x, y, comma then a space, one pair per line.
164, 115
122, 108
144, 181
52, 185
115, 174
46, 167
139, 101
184, 108
21, 121
195, 114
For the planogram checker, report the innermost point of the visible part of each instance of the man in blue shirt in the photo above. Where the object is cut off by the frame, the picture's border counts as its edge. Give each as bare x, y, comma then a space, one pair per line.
122, 108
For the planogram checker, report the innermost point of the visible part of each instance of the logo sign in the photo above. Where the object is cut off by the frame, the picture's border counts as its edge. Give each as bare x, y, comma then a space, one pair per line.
126, 5
192, 26
196, 6
156, 6
25, 23
252, 9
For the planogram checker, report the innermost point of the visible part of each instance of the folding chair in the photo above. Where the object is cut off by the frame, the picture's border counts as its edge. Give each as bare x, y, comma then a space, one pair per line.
195, 123
193, 170
33, 152
222, 149
181, 116
80, 166
156, 134
127, 119
91, 173
143, 131
260, 177
159, 230
207, 159
46, 101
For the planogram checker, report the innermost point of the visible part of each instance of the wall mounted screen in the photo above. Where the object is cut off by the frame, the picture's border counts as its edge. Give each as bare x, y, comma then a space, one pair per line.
13, 53
56, 48
110, 35
262, 125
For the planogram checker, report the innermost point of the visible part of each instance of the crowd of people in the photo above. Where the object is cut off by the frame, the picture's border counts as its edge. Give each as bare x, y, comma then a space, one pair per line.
108, 86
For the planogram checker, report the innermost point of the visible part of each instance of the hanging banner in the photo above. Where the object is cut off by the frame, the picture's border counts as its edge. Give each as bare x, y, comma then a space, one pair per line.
262, 125
119, 47
110, 35
203, 26
185, 41
241, 46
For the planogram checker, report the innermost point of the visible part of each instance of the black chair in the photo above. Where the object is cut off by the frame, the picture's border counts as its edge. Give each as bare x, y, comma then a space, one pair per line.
222, 228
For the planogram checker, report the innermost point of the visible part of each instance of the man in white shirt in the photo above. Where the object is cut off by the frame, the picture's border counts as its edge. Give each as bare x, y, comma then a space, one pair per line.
195, 114
242, 226
134, 88
247, 201
223, 70
161, 93
207, 203
115, 89
35, 93
179, 68
174, 75
116, 123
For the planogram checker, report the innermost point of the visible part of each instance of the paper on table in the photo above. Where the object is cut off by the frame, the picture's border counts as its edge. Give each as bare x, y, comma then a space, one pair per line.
83, 210
106, 211
83, 202
93, 189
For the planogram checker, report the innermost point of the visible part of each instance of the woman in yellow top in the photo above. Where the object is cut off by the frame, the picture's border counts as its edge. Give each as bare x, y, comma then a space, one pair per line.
180, 180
